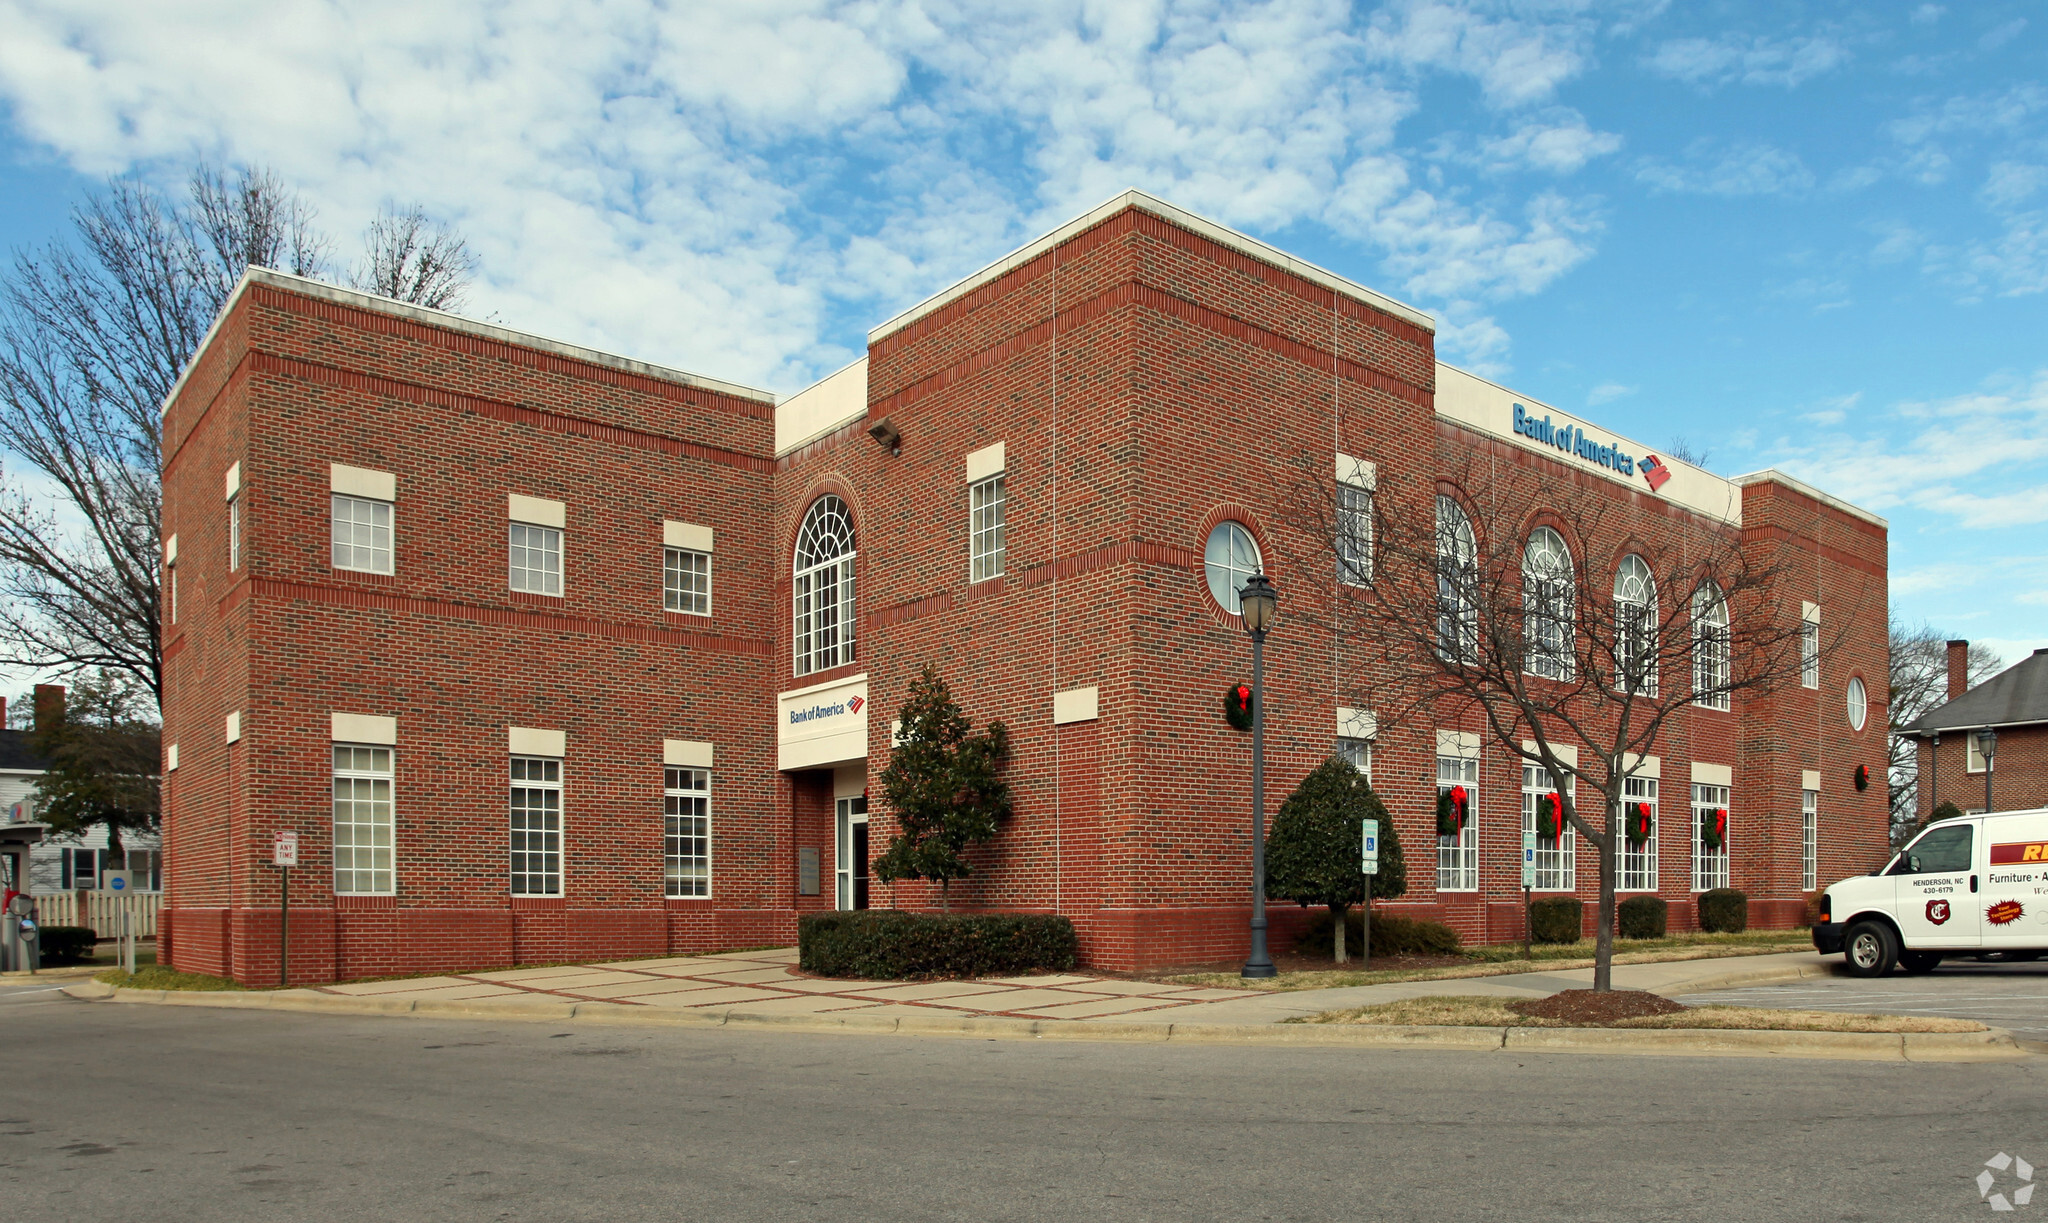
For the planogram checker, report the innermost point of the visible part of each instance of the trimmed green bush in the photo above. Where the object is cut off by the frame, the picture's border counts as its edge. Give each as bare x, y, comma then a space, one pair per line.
1391, 935
66, 944
1642, 917
1557, 919
890, 944
1724, 911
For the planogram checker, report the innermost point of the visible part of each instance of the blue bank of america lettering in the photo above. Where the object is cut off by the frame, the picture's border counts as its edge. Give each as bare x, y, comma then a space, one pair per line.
815, 712
1573, 440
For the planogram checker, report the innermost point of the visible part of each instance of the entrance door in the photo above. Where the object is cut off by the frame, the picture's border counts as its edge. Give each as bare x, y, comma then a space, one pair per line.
850, 865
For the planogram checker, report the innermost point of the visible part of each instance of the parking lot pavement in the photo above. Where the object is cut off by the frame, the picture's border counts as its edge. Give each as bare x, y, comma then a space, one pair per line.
2012, 996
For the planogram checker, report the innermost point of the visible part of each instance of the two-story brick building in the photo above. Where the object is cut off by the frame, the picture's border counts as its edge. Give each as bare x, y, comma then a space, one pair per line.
548, 654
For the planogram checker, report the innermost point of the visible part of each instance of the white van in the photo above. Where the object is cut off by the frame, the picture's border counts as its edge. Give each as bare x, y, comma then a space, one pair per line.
1965, 887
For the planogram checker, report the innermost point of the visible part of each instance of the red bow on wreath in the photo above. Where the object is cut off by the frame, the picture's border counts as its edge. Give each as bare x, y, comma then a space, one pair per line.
1638, 828
1453, 808
1714, 828
1550, 816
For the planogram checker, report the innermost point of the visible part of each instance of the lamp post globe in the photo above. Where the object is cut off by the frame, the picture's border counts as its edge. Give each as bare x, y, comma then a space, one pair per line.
1256, 603
1987, 747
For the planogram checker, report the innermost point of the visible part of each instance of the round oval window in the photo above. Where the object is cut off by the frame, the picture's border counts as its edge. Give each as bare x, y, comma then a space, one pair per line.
1230, 558
1859, 705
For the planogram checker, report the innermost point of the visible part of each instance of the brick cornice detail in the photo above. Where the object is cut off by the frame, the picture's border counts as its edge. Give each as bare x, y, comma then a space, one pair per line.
510, 413
507, 617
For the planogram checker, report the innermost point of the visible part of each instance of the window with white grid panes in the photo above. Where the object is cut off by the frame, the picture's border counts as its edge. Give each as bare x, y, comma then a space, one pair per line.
362, 820
1556, 861
1357, 753
1635, 626
985, 546
1457, 581
1638, 871
171, 588
1710, 648
1709, 866
1354, 534
686, 581
536, 826
234, 533
1809, 654
821, 589
1549, 611
535, 555
1809, 840
1457, 858
361, 534
686, 810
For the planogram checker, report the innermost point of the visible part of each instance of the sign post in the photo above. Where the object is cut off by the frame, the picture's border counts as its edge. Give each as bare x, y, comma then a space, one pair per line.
1369, 862
284, 855
118, 882
1528, 883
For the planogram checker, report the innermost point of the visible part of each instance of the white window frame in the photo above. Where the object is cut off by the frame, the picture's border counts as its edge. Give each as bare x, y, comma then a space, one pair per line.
686, 832
987, 543
1709, 867
171, 587
1457, 859
526, 543
1973, 756
364, 837
1809, 840
1637, 868
686, 581
535, 810
1356, 751
1635, 626
1557, 868
368, 541
1809, 653
1231, 554
1711, 660
1354, 534
235, 532
1457, 558
1549, 607
822, 604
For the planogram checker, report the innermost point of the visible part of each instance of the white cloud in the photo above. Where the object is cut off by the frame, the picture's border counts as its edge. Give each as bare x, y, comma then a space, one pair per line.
1608, 392
1709, 168
1514, 61
1785, 62
1927, 14
1561, 144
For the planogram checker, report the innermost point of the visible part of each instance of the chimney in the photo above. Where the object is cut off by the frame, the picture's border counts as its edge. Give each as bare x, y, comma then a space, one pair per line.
49, 704
1958, 668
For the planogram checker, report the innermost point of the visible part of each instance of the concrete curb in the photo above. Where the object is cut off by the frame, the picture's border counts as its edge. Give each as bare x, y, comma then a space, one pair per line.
1994, 1045
1759, 976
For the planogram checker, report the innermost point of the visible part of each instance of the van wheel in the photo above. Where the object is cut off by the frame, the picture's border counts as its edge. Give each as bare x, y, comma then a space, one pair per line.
1917, 962
1870, 949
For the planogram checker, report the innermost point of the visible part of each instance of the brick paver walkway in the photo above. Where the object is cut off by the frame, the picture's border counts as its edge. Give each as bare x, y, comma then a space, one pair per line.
767, 982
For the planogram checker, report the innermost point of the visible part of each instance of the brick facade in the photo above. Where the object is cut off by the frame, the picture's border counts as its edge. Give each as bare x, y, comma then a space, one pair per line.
1147, 375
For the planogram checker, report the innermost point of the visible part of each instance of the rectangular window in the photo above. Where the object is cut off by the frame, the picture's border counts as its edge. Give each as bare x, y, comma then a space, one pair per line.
171, 587
362, 534
1809, 654
536, 826
1709, 866
985, 529
1973, 754
82, 868
1354, 534
234, 534
686, 861
1809, 840
536, 558
1639, 862
147, 868
362, 820
1457, 858
1356, 752
686, 581
1556, 859
823, 618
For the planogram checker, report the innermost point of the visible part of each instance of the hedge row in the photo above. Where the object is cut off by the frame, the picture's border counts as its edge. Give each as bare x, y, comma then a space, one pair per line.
1391, 935
890, 944
65, 944
1643, 917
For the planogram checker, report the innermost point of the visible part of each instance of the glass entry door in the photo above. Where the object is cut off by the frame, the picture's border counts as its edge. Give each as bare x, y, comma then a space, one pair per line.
850, 863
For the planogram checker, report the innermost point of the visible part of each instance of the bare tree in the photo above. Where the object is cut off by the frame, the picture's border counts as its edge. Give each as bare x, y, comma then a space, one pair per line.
1517, 630
411, 259
1919, 682
93, 335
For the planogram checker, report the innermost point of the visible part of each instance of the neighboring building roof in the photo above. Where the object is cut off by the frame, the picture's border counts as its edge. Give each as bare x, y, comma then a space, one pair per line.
18, 753
2016, 696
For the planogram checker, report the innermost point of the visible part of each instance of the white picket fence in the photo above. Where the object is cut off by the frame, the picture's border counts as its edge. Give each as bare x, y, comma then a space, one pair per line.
101, 911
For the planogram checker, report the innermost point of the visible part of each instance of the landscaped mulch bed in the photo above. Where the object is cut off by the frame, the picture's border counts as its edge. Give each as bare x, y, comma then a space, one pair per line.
1586, 1008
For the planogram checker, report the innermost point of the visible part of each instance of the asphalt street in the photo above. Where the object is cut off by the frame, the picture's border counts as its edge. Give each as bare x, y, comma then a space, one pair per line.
2012, 996
124, 1111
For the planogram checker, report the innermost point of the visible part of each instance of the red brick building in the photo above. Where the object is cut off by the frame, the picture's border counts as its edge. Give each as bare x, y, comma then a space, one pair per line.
2013, 706
546, 654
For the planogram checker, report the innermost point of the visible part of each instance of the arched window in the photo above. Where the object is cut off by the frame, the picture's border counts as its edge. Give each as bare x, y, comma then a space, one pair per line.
1635, 626
1710, 669
1549, 611
1457, 573
823, 587
1229, 560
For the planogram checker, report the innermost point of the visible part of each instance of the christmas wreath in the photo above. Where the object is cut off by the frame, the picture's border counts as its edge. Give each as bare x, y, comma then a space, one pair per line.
1637, 825
1453, 808
1237, 706
1714, 828
1550, 816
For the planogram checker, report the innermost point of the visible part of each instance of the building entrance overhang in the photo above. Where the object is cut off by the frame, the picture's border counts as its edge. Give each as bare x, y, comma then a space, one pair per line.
823, 725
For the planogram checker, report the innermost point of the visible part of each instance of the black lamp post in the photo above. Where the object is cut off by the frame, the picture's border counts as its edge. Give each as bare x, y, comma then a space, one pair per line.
1987, 747
1255, 603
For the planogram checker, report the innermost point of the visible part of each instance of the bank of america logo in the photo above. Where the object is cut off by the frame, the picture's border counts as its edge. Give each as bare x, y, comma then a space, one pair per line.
1654, 471
856, 703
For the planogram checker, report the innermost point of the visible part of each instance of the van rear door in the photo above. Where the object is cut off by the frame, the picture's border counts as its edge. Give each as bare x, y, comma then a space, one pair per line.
2015, 896
1937, 907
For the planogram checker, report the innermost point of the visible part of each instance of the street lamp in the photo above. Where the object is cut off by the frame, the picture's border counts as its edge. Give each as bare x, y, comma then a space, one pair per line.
1255, 603
1987, 747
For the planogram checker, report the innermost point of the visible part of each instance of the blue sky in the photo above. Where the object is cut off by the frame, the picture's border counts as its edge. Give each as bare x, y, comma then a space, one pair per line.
1799, 235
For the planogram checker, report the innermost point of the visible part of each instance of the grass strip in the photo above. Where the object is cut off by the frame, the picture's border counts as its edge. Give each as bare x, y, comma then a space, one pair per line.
1443, 1010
